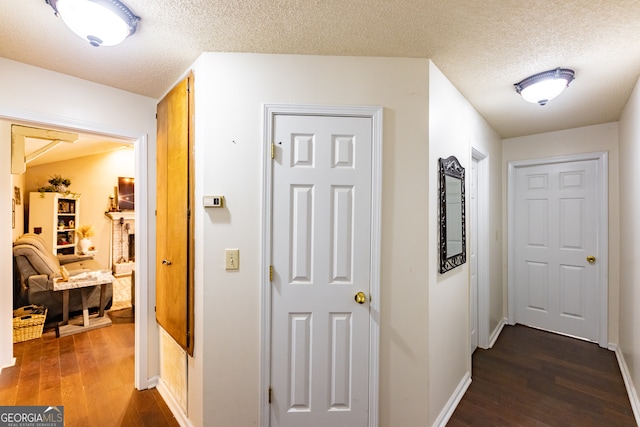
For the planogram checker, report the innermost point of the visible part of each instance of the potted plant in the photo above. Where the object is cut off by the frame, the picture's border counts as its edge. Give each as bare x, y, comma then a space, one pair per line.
85, 232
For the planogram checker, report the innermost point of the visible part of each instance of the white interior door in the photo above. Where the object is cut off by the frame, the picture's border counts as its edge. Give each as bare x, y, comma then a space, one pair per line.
321, 256
556, 230
473, 257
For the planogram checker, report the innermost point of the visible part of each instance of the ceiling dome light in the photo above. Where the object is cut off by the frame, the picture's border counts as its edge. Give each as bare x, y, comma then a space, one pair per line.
101, 22
543, 87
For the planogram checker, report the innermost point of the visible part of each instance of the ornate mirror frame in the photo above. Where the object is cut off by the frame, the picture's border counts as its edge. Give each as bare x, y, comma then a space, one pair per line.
452, 242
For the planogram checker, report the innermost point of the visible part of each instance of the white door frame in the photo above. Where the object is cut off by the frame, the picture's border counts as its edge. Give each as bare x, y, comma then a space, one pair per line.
602, 171
375, 113
142, 230
482, 256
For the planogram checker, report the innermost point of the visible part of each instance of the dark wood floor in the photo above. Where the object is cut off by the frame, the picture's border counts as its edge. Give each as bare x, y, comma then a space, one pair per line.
535, 378
91, 374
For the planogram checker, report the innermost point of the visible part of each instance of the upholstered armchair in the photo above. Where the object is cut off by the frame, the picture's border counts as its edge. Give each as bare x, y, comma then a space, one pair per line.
37, 267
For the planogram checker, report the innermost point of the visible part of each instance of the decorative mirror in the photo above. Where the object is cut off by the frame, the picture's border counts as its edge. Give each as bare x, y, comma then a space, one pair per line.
453, 251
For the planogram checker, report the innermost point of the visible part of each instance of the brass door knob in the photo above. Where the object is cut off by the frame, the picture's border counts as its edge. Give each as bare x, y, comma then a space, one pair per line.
591, 259
361, 298
166, 262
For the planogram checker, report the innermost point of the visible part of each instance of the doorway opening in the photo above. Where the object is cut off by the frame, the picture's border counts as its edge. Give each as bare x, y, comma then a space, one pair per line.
139, 141
558, 245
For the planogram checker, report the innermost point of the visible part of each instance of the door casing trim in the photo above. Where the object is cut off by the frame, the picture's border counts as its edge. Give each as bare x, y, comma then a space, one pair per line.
602, 171
269, 113
484, 293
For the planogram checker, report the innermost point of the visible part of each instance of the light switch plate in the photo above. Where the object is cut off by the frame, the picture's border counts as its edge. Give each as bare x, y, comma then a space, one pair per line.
232, 259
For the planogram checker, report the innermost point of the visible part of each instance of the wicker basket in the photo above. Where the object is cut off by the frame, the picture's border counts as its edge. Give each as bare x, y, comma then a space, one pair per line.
28, 322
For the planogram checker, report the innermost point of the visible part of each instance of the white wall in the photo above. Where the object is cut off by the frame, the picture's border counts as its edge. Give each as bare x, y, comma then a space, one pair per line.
587, 139
454, 126
35, 94
629, 341
230, 92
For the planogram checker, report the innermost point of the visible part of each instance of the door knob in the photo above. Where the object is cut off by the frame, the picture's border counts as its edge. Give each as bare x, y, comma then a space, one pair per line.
361, 298
591, 259
166, 262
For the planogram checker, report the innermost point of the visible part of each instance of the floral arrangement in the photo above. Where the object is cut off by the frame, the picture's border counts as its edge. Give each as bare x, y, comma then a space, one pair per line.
57, 183
86, 231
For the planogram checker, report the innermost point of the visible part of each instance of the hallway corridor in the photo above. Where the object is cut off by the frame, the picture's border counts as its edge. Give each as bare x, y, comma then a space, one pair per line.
535, 378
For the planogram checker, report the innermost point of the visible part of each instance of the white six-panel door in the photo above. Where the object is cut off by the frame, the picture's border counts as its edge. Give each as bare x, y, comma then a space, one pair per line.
321, 255
556, 230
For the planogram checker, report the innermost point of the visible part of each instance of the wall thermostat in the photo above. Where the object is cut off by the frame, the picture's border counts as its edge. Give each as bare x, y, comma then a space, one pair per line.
213, 201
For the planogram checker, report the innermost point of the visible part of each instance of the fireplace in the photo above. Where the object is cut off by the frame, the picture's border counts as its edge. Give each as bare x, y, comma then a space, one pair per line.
132, 247
122, 242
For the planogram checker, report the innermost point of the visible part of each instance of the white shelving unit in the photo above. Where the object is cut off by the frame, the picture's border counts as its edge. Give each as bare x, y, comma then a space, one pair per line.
55, 216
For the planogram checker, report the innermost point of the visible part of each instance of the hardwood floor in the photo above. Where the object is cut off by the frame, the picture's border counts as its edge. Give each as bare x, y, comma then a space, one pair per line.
535, 378
90, 374
529, 378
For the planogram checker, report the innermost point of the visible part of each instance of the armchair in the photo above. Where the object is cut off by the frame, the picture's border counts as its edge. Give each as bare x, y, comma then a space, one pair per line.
37, 267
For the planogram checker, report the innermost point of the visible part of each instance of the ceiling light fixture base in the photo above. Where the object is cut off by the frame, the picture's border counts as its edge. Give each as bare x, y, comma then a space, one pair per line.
543, 87
100, 22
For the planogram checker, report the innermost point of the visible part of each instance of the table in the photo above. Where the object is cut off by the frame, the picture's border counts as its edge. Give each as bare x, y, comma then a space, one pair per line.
85, 282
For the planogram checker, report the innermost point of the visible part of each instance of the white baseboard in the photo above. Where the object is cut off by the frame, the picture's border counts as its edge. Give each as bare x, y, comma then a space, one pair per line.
452, 404
628, 383
173, 404
496, 332
153, 381
13, 363
464, 384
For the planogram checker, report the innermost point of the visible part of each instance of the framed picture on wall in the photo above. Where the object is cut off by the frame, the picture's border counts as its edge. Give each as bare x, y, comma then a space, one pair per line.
125, 194
16, 195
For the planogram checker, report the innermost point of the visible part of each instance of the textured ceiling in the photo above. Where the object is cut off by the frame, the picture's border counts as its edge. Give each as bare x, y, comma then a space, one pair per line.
483, 47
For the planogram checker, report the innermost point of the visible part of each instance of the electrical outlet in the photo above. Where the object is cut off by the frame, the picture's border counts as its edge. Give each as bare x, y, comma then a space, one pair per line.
232, 259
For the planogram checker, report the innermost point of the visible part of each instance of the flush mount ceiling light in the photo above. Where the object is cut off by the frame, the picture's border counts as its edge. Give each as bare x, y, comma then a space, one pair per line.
543, 87
101, 22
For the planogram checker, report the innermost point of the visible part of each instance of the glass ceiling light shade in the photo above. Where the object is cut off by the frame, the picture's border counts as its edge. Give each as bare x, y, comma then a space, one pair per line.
543, 87
101, 22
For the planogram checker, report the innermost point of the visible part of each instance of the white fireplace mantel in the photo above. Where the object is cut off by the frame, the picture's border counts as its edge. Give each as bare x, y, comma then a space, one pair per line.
126, 215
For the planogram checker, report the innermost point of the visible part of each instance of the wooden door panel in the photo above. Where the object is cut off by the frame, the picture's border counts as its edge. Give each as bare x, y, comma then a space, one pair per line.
161, 208
174, 295
177, 188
